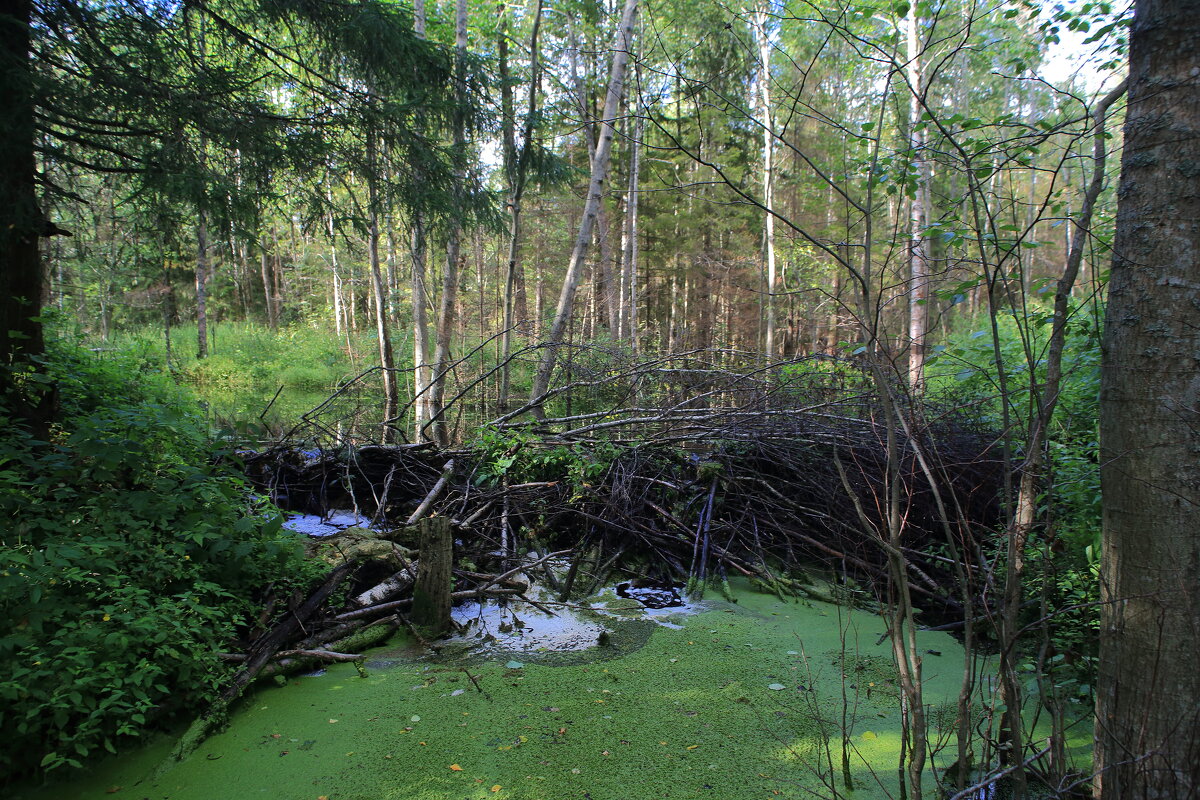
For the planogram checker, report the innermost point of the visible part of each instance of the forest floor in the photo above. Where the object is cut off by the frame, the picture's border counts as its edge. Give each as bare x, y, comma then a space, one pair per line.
745, 700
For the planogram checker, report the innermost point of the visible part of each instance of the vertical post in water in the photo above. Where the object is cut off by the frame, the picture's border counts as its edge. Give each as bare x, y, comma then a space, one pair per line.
431, 595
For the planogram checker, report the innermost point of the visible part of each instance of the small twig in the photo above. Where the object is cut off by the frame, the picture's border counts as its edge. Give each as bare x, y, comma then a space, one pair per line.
475, 681
268, 406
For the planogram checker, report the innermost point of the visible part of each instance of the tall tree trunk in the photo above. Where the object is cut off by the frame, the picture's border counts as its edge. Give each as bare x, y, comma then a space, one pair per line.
391, 390
277, 277
447, 315
340, 317
1148, 687
21, 220
516, 167
627, 302
420, 311
202, 285
768, 162
566, 298
419, 249
265, 268
918, 288
393, 280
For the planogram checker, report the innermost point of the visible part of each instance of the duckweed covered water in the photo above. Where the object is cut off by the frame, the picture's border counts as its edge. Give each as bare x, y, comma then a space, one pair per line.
736, 702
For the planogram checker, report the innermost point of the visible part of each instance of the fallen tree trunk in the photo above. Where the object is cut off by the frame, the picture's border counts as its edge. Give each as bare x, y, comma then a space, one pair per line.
396, 605
394, 586
259, 655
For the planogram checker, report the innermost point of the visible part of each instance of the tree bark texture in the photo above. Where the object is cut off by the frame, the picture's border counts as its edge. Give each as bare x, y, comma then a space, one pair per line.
1148, 688
431, 595
763, 42
20, 217
918, 254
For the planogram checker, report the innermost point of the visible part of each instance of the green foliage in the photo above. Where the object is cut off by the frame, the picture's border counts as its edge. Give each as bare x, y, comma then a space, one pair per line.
1062, 555
249, 355
521, 459
129, 558
964, 370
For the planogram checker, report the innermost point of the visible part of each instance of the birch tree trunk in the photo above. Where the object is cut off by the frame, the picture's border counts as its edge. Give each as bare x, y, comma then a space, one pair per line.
918, 314
768, 161
391, 391
599, 174
1148, 688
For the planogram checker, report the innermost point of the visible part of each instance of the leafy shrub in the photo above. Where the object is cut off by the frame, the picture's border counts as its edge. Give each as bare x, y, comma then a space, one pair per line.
964, 371
128, 559
1061, 555
521, 459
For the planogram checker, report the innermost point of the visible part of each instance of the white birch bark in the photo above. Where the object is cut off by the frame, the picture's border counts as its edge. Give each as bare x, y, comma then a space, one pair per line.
768, 161
918, 313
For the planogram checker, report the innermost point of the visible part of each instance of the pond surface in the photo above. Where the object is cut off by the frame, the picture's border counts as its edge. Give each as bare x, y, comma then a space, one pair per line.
729, 701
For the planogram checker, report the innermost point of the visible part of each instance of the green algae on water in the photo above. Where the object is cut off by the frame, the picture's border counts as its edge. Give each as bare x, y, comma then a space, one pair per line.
682, 712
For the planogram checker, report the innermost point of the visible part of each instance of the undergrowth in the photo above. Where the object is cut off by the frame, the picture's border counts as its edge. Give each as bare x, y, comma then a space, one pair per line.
130, 555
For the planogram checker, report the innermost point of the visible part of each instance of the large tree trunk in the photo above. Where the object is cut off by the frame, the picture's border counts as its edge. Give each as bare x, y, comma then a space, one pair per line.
918, 256
20, 218
1148, 688
566, 299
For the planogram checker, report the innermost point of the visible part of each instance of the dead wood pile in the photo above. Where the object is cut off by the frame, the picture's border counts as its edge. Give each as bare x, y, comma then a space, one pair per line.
816, 491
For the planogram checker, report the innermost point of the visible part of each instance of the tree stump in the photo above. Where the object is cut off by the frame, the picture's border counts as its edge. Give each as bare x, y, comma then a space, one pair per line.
431, 595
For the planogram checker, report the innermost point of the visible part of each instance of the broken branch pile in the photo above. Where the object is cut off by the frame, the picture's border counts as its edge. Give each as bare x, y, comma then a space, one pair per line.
816, 490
